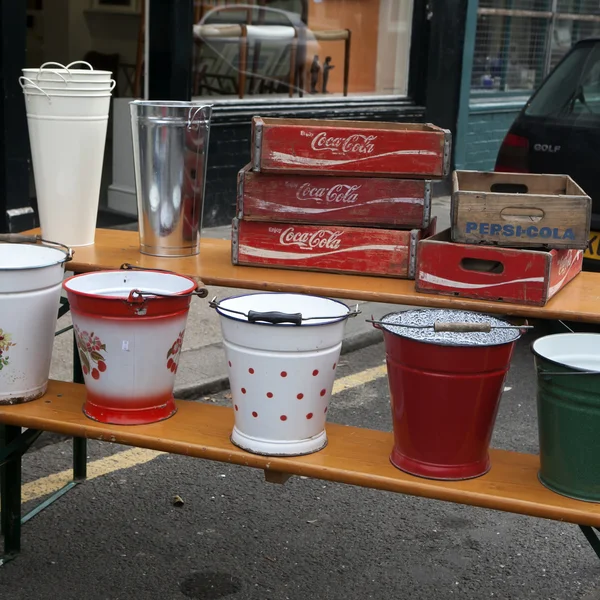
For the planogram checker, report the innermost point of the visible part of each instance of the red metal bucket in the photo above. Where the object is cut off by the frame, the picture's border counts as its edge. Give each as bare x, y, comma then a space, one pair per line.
445, 390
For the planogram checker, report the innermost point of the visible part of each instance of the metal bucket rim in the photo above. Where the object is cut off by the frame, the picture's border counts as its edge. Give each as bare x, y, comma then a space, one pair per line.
447, 344
105, 297
560, 364
322, 324
67, 256
171, 103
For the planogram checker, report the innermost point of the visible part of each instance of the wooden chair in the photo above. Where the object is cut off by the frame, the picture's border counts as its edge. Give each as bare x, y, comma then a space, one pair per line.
247, 32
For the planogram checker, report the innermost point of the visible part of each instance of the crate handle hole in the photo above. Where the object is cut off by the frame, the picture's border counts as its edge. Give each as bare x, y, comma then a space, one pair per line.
482, 266
525, 214
509, 188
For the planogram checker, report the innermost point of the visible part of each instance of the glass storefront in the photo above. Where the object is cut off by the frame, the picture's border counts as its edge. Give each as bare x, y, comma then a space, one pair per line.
301, 47
519, 41
263, 56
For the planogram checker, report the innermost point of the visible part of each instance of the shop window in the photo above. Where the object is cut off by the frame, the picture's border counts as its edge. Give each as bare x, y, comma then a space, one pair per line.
518, 42
309, 48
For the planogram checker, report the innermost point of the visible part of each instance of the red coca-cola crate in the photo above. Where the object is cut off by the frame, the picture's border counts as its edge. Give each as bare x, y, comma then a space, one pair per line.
493, 273
385, 252
350, 147
404, 203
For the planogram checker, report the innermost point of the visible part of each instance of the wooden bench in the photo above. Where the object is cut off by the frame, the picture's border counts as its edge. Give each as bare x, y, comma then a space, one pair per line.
355, 456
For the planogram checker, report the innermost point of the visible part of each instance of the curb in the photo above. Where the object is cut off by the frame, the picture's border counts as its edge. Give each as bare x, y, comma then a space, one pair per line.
358, 341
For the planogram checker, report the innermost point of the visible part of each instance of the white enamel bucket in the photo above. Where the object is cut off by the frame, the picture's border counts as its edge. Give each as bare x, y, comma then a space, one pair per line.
66, 87
67, 135
60, 103
30, 284
57, 71
129, 328
282, 352
67, 156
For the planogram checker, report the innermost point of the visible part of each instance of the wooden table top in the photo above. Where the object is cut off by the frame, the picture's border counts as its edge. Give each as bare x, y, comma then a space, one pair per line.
353, 455
578, 301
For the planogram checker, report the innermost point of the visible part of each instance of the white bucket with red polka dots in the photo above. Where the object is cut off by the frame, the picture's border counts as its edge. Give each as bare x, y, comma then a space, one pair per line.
282, 352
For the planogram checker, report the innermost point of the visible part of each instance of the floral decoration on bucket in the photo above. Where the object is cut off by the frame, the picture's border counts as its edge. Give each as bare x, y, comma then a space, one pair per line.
173, 353
90, 345
5, 344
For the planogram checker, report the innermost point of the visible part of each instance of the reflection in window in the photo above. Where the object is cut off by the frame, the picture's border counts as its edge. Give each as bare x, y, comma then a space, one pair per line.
324, 48
518, 42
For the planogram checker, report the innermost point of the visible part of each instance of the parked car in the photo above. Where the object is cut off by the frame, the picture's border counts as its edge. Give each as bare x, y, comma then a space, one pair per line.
558, 131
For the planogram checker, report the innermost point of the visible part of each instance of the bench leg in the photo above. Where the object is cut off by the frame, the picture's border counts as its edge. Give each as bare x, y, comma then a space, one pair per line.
592, 537
10, 494
79, 444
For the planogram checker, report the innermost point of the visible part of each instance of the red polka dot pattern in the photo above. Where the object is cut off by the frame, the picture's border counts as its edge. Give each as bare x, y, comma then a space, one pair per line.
283, 374
309, 416
251, 371
236, 407
243, 390
254, 414
334, 366
325, 410
300, 396
229, 362
323, 392
283, 418
269, 394
315, 372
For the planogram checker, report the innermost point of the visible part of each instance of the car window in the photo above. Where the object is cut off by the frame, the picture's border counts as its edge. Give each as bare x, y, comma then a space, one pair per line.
572, 89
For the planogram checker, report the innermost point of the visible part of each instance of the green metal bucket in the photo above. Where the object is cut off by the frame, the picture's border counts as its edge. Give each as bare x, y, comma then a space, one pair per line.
568, 404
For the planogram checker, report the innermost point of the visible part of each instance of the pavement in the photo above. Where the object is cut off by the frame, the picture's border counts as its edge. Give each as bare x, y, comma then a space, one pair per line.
202, 363
152, 526
121, 536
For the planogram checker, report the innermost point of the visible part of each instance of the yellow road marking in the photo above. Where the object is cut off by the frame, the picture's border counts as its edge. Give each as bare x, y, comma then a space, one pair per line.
361, 378
103, 466
138, 456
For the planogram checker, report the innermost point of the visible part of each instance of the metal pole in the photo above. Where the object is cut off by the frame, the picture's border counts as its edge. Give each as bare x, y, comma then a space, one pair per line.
79, 444
445, 65
10, 494
16, 211
170, 48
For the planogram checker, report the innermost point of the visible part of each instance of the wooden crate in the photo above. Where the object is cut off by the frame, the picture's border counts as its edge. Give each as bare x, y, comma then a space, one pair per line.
350, 147
519, 210
395, 203
333, 248
493, 273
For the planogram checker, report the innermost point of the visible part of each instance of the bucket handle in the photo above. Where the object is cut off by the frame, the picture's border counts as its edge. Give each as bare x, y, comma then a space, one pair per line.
19, 238
276, 317
56, 64
35, 85
191, 117
137, 298
454, 327
79, 62
38, 77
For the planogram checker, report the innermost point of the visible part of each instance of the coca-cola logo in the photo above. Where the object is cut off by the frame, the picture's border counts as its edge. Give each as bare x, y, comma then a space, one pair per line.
566, 262
335, 194
356, 143
307, 240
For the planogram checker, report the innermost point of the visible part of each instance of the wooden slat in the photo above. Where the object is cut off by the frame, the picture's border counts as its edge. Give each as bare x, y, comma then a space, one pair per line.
354, 456
578, 301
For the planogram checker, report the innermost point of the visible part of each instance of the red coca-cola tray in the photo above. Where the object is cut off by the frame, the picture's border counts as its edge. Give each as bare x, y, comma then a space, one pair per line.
350, 147
395, 203
384, 252
493, 273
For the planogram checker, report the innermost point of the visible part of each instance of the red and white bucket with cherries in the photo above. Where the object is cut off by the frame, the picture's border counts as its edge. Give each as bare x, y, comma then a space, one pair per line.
129, 327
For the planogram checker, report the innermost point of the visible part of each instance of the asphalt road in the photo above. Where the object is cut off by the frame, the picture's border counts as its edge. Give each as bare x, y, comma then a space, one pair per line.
119, 536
